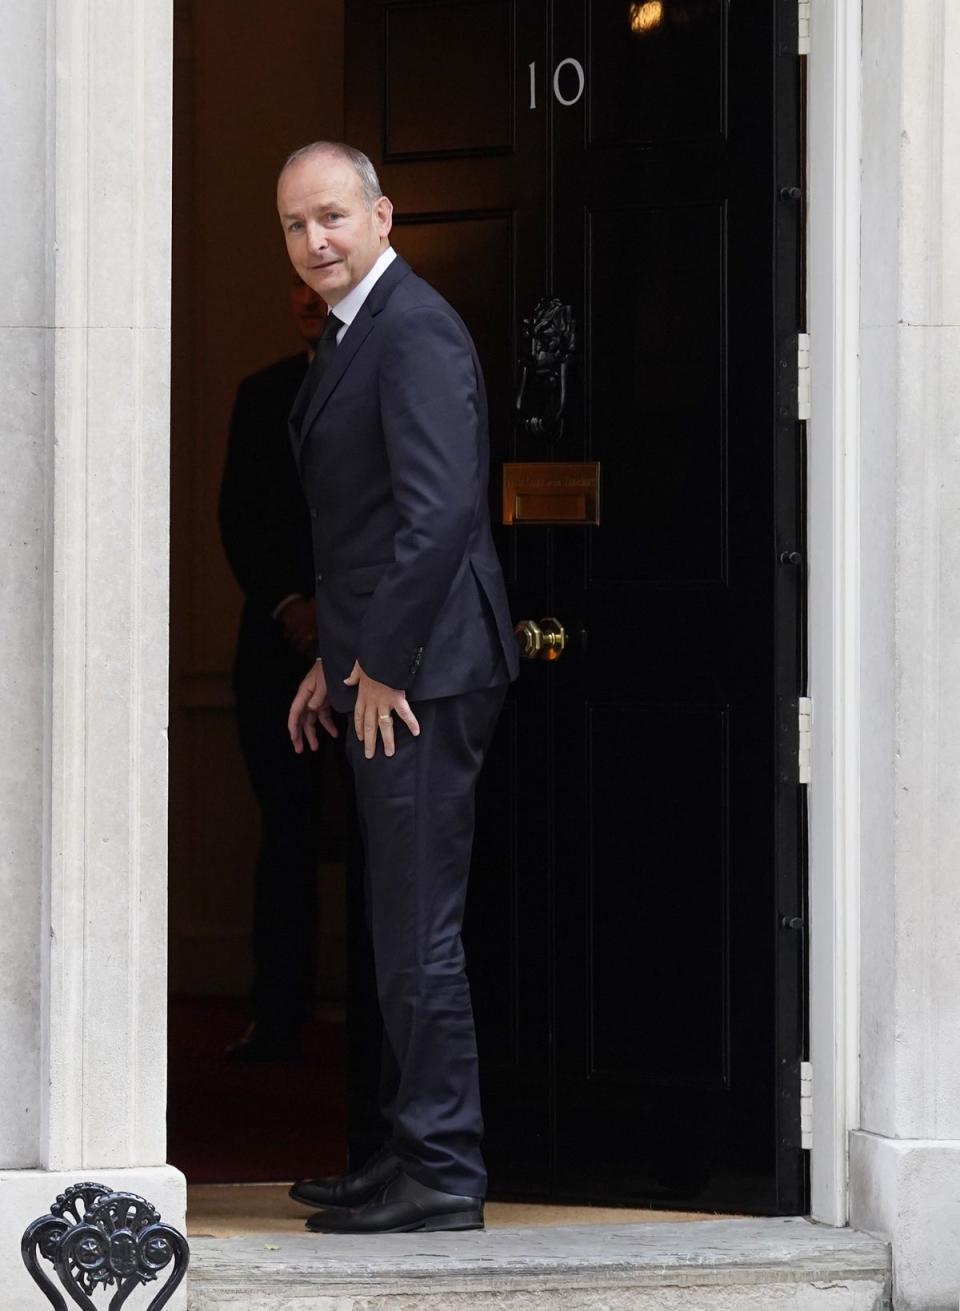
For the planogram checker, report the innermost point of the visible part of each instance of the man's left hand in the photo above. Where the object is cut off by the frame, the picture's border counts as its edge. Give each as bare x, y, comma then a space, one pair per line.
376, 706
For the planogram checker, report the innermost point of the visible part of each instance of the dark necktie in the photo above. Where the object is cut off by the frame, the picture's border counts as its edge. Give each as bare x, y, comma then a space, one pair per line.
323, 352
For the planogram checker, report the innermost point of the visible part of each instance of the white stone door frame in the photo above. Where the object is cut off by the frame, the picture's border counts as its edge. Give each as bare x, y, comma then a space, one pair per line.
833, 236
833, 254
833, 534
86, 162
111, 325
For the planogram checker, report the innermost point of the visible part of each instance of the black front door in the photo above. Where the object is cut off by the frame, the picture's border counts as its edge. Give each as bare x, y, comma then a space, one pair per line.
639, 846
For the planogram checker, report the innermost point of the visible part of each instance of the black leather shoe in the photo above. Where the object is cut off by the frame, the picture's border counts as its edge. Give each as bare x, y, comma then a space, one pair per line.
401, 1207
349, 1189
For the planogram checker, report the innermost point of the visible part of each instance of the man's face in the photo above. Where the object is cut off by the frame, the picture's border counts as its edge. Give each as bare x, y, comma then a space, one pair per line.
333, 239
309, 310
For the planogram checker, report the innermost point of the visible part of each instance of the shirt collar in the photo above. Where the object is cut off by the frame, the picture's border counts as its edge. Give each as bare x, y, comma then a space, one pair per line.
349, 307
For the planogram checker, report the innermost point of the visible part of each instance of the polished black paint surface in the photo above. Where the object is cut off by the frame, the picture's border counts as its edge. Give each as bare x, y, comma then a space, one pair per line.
639, 1006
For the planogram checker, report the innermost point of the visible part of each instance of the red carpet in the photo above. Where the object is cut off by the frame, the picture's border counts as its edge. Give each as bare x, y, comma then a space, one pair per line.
255, 1123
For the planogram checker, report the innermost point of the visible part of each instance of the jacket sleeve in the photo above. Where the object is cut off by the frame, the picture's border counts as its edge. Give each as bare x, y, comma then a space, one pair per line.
430, 406
256, 527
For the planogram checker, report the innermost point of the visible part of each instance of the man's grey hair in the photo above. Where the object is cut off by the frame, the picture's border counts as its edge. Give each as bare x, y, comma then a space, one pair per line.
369, 182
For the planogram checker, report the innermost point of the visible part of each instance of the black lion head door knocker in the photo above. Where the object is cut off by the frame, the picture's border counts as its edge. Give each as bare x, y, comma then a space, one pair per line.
98, 1240
548, 338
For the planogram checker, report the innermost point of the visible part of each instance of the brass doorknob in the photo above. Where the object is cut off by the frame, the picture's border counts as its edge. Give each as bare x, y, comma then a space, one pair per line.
543, 641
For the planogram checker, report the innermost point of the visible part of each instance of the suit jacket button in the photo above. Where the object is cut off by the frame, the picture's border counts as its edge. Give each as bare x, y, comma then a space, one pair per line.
319, 578
314, 512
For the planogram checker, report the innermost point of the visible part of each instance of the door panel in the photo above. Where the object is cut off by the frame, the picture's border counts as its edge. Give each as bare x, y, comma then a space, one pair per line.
663, 233
656, 388
459, 99
649, 886
638, 830
655, 72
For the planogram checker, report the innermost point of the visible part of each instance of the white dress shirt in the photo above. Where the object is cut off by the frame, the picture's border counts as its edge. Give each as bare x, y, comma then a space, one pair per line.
349, 307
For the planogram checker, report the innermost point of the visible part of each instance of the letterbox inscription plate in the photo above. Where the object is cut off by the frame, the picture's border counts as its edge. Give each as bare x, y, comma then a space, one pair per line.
544, 493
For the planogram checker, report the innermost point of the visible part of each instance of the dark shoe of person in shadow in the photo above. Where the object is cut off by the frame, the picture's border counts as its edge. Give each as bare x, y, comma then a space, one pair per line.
403, 1206
353, 1189
263, 1043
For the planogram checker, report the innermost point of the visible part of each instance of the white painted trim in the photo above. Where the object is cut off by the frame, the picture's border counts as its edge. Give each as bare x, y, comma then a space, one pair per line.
62, 980
833, 189
103, 1031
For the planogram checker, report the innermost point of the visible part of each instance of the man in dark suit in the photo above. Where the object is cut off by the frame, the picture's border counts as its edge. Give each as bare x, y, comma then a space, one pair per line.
265, 529
415, 643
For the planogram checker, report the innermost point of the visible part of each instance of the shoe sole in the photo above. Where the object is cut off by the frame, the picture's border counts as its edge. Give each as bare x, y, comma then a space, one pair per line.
455, 1222
459, 1220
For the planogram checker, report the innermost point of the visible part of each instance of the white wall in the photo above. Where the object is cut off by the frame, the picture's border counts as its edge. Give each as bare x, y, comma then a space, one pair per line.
905, 1165
25, 487
911, 571
85, 117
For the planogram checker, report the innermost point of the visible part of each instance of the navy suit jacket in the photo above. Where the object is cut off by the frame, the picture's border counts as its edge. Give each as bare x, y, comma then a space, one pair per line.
264, 524
393, 452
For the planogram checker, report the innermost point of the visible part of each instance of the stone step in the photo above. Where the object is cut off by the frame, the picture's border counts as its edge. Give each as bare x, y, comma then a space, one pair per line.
738, 1265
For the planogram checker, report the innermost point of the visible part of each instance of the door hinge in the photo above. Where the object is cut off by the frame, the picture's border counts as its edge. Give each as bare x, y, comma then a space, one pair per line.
806, 1106
803, 27
805, 738
803, 375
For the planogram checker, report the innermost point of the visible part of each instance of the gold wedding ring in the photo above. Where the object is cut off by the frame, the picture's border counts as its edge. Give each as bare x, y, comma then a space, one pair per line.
384, 716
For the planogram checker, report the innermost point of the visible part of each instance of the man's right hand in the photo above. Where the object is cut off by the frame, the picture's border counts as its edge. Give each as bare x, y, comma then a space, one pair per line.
298, 620
310, 706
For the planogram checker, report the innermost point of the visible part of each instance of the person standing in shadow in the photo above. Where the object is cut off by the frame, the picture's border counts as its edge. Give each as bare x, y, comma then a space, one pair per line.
265, 530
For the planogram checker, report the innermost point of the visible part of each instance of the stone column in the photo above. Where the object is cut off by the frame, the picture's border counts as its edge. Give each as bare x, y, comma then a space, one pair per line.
85, 114
905, 1158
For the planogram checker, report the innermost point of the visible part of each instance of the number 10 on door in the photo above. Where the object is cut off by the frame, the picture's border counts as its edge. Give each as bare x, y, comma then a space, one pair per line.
562, 99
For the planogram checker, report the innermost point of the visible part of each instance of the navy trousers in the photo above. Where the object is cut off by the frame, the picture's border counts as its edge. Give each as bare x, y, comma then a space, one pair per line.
288, 789
416, 813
